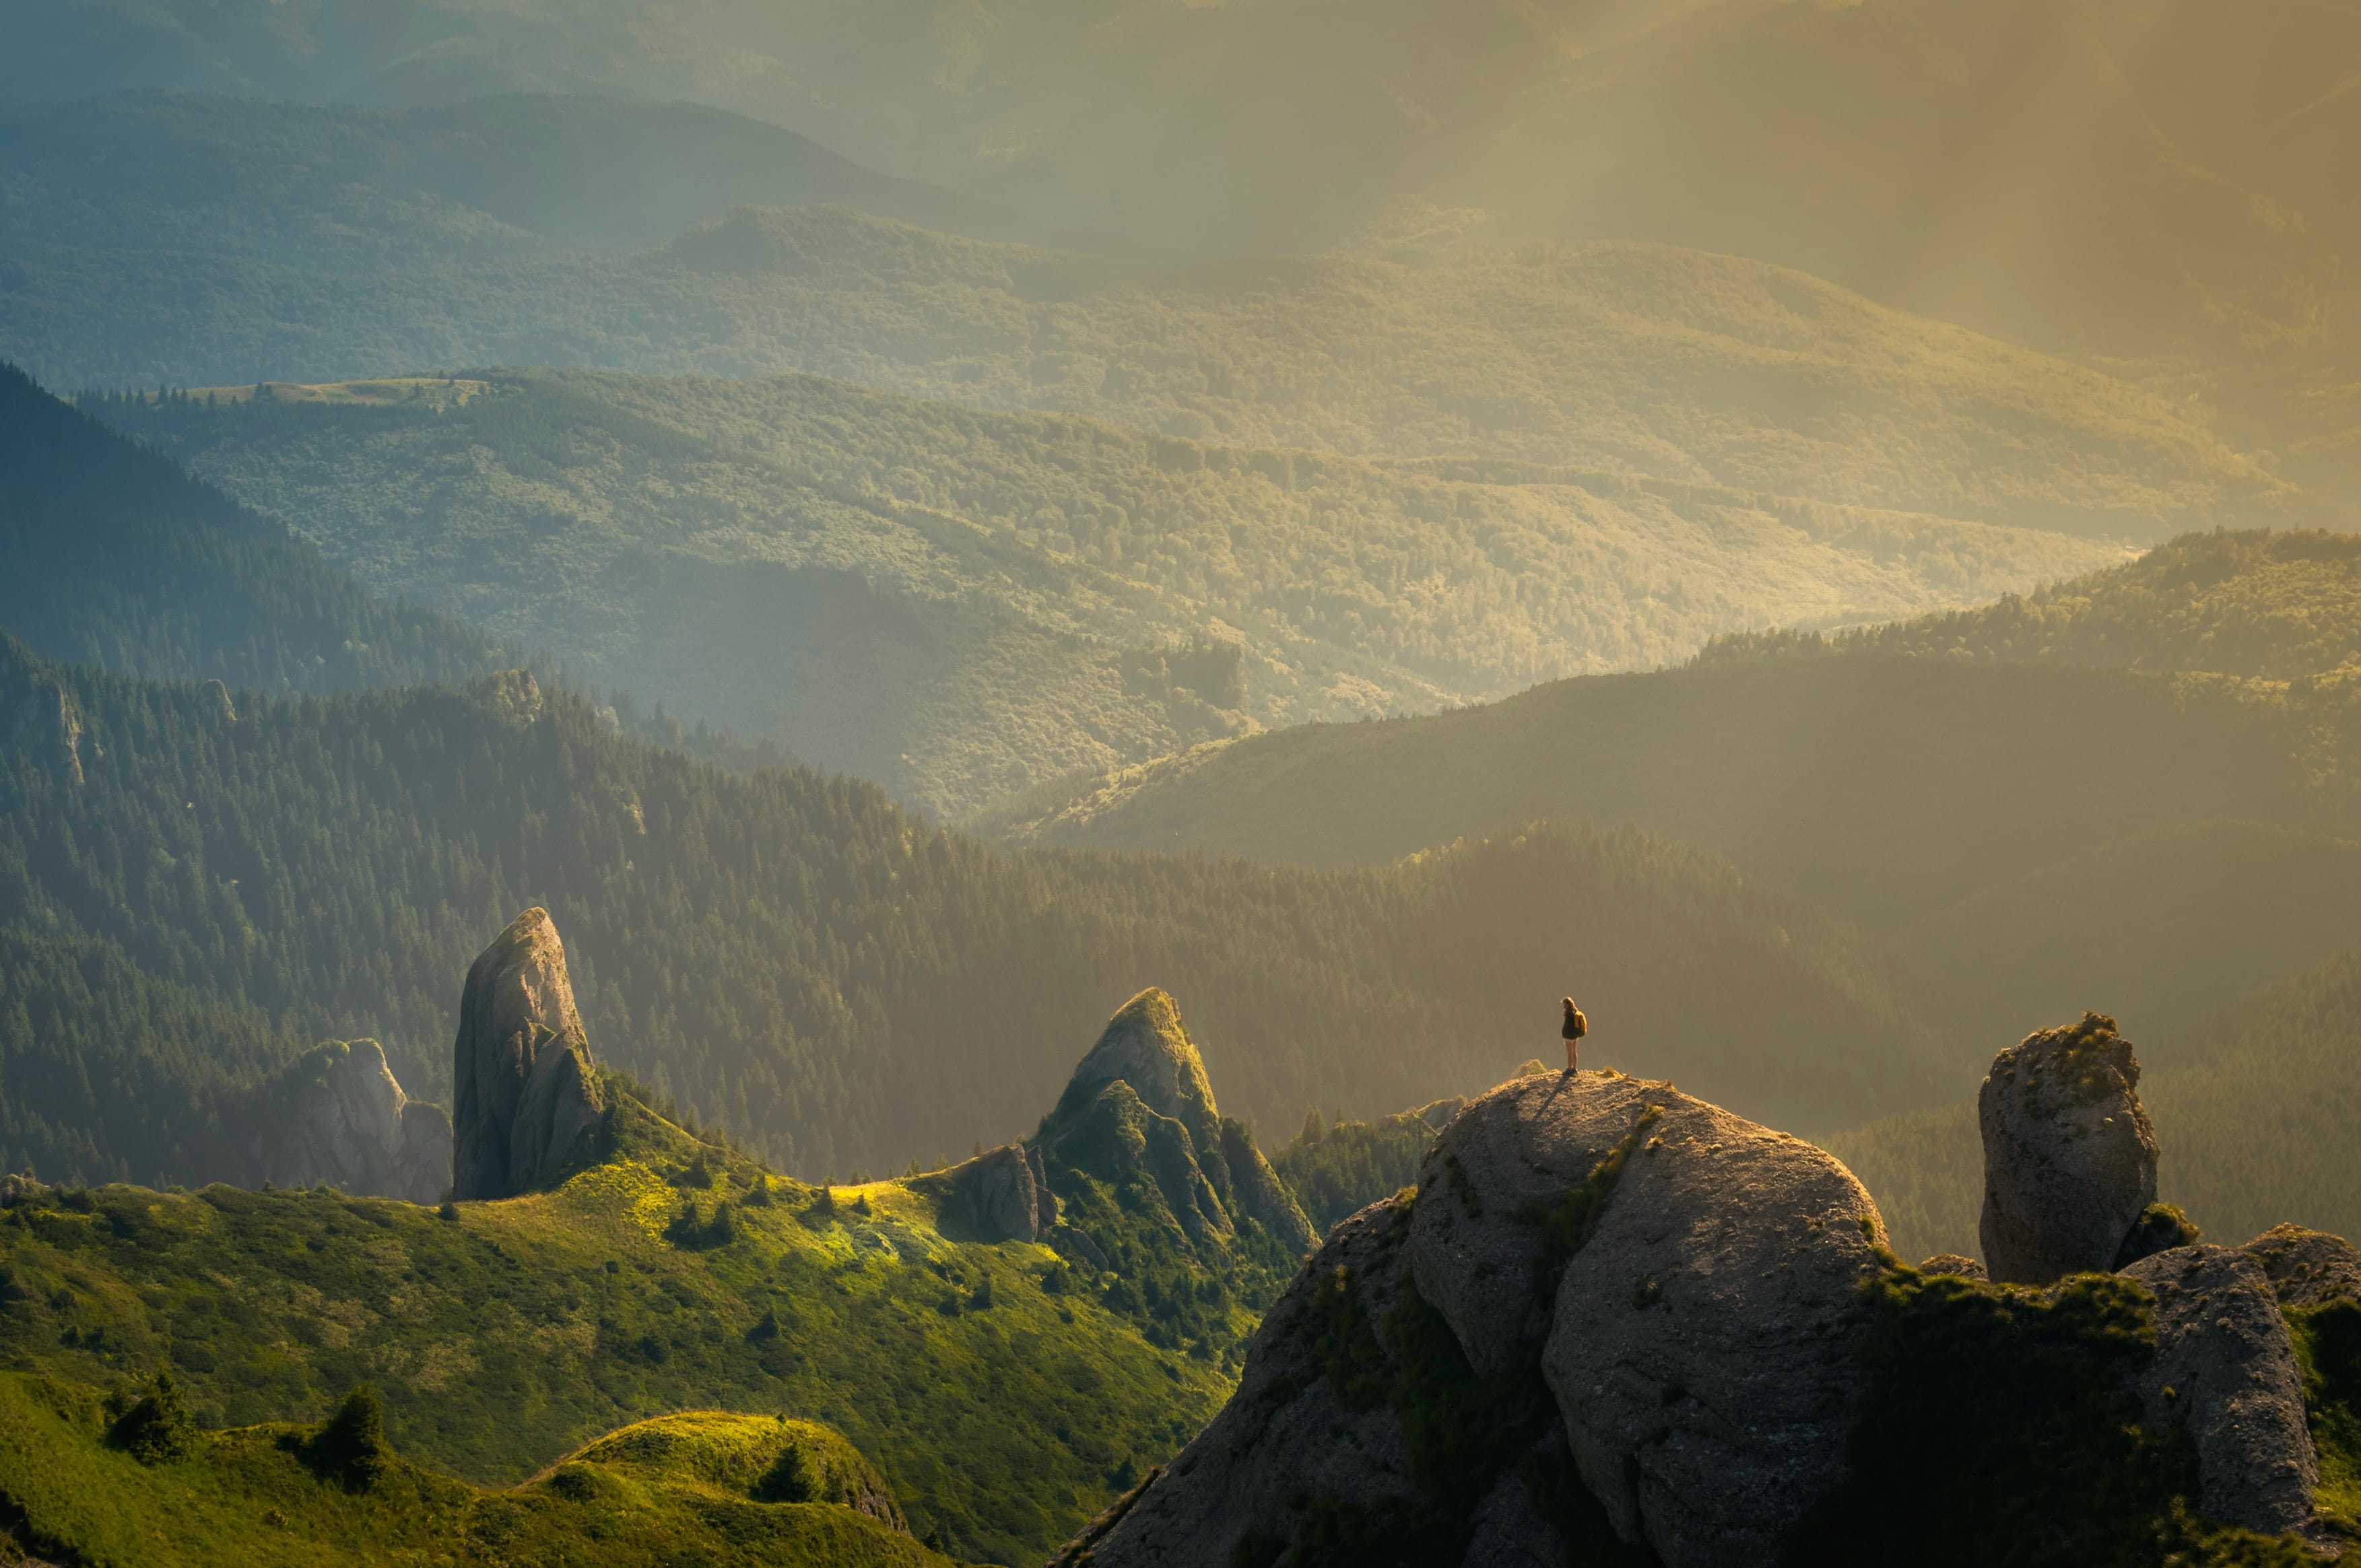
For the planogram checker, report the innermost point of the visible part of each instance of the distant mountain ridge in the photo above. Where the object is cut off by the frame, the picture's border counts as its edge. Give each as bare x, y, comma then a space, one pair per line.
2103, 175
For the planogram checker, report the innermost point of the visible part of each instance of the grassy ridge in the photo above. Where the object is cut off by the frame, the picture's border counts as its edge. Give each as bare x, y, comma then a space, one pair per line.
247, 1495
1002, 1412
959, 604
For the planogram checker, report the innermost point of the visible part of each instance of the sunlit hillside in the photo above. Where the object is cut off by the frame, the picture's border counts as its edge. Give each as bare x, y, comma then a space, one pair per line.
959, 604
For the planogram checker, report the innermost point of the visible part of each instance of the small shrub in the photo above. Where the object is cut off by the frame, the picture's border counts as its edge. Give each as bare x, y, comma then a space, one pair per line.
351, 1447
157, 1429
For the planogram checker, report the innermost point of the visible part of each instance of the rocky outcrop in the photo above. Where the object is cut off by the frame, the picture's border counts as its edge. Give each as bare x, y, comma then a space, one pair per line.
526, 1104
2225, 1373
1140, 1098
1476, 1247
1705, 1344
2069, 1158
2306, 1268
1684, 1282
1952, 1263
216, 697
1001, 1195
1294, 1434
336, 1115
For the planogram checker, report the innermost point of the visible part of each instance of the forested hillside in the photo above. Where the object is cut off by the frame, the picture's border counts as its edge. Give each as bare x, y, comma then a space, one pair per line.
1635, 359
796, 959
1972, 811
2282, 606
111, 556
959, 604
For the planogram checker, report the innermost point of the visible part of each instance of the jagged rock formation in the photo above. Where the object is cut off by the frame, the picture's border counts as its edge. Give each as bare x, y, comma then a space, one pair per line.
2306, 1268
2225, 1373
1686, 1280
1140, 1099
217, 697
1002, 1195
337, 1115
2069, 1158
526, 1104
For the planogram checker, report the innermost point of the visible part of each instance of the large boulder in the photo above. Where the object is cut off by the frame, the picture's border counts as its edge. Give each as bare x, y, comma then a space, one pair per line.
1476, 1243
2069, 1158
2306, 1268
998, 1196
337, 1115
526, 1103
1291, 1437
2225, 1373
1705, 1346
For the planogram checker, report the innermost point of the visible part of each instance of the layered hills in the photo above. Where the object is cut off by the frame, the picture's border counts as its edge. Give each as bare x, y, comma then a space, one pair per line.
2106, 176
1956, 781
959, 604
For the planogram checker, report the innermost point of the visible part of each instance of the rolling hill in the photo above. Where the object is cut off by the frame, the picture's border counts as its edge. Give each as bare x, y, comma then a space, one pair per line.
959, 604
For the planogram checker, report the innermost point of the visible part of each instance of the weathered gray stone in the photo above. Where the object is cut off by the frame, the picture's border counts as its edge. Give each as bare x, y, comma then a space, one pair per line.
1518, 1148
1286, 1436
996, 1197
526, 1101
1704, 1349
2226, 1372
2307, 1268
217, 697
337, 1115
1954, 1264
2069, 1158
1509, 1532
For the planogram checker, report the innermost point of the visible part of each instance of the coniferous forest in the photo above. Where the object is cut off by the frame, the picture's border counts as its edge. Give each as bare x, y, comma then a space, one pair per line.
1419, 785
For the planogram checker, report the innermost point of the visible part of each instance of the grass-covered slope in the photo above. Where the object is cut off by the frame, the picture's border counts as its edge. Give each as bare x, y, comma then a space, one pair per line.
111, 556
1003, 1401
645, 1495
1009, 1374
789, 955
959, 604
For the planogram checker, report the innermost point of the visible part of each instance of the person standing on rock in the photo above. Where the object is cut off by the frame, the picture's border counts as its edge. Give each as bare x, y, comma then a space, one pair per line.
1572, 1030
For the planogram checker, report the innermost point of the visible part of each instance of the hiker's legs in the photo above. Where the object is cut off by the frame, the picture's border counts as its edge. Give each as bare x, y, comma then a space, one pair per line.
1571, 1047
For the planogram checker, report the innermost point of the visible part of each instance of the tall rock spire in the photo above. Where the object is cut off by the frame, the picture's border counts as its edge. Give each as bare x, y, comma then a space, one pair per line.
526, 1104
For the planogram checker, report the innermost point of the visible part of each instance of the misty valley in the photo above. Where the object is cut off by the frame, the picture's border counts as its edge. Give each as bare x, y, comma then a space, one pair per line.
1171, 785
